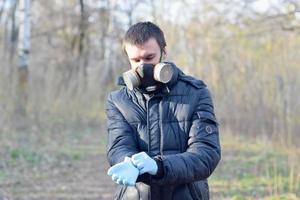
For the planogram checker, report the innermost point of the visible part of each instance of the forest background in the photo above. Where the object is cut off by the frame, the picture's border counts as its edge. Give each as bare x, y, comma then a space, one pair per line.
59, 60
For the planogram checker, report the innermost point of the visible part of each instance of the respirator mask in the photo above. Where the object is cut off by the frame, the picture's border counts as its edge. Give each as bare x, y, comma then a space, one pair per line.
148, 76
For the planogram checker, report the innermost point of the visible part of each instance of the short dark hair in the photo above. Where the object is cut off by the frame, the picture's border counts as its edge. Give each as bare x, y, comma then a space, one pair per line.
140, 32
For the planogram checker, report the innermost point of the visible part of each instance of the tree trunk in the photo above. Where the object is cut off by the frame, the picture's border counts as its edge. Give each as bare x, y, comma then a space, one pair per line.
23, 53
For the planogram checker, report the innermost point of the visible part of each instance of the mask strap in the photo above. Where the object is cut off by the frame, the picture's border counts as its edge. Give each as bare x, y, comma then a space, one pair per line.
161, 55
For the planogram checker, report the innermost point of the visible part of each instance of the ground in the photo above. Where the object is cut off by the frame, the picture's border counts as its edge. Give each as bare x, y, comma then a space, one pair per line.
71, 164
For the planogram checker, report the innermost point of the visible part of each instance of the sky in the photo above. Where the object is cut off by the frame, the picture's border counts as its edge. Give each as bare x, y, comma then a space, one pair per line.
179, 11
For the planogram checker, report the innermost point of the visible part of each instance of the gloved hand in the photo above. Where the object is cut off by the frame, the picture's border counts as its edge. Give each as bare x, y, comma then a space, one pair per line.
124, 173
144, 163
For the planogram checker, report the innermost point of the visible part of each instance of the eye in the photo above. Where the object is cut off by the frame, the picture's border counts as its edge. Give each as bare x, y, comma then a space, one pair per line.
136, 60
149, 58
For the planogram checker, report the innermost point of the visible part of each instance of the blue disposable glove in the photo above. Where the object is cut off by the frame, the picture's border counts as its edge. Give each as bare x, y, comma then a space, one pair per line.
144, 163
124, 173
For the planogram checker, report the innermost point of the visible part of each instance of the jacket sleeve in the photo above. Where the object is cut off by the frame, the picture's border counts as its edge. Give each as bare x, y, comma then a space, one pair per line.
203, 152
120, 136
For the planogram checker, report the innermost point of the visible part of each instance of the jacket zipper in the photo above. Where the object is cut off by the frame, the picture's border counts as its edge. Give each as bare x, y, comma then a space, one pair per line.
149, 143
161, 127
148, 132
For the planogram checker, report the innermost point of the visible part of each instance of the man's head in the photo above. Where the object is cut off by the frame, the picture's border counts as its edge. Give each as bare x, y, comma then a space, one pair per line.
144, 42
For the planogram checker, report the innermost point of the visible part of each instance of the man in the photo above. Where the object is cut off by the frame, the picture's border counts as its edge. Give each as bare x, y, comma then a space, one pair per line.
163, 139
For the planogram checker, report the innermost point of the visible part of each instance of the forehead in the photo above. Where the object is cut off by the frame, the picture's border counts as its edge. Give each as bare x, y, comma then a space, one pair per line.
149, 47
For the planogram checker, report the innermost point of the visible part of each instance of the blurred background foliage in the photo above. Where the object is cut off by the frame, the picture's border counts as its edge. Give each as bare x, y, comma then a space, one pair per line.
53, 108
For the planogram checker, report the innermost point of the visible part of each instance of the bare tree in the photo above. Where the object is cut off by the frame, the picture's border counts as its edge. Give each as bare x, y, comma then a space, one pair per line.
23, 53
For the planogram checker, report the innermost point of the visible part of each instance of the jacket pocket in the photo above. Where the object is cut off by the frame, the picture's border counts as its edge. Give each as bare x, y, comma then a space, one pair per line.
119, 194
137, 192
203, 189
199, 190
193, 191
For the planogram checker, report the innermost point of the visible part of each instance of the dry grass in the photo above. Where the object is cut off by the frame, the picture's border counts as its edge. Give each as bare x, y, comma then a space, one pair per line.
256, 169
68, 162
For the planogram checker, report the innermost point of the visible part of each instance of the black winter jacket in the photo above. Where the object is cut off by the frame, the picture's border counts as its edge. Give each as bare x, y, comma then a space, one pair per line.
177, 127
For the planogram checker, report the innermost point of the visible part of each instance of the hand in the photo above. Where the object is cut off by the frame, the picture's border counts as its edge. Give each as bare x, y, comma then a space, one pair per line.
124, 173
144, 163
